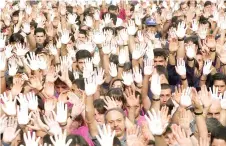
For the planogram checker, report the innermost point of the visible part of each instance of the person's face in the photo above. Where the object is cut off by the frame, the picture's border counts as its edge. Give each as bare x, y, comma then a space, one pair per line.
117, 122
218, 142
137, 108
56, 21
165, 96
117, 84
81, 37
215, 109
81, 64
170, 139
152, 29
99, 117
61, 88
15, 19
184, 8
199, 59
208, 9
220, 84
159, 60
75, 125
40, 37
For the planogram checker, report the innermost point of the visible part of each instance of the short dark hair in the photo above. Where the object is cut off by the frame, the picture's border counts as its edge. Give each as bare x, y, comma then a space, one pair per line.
46, 139
165, 86
77, 140
159, 52
80, 83
113, 8
82, 54
16, 13
39, 29
117, 94
114, 109
207, 3
219, 133
16, 38
99, 106
212, 124
219, 76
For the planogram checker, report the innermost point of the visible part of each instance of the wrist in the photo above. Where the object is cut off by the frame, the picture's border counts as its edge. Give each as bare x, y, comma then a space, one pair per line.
181, 39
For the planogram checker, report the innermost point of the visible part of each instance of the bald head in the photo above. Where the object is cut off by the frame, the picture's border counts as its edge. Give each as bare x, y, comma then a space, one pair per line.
215, 109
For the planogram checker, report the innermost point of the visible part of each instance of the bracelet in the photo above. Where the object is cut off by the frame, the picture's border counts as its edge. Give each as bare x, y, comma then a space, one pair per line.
183, 79
125, 45
192, 134
28, 33
63, 125
190, 59
197, 114
156, 99
202, 80
120, 65
181, 39
212, 50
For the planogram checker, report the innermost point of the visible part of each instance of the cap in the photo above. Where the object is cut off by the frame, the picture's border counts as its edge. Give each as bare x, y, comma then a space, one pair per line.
150, 22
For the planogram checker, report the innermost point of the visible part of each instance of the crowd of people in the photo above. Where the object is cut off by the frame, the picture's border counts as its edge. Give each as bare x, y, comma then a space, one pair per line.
113, 73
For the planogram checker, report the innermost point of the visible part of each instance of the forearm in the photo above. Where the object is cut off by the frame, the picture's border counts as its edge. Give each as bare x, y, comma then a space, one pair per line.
172, 58
63, 51
181, 50
32, 42
155, 104
3, 82
144, 92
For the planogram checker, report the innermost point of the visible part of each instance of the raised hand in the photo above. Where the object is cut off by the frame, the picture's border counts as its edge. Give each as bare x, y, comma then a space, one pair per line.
28, 9
214, 93
65, 38
90, 85
182, 138
131, 28
202, 32
131, 98
9, 104
123, 35
52, 49
3, 123
10, 132
32, 101
96, 15
127, 78
155, 85
180, 68
13, 67
3, 62
88, 68
223, 101
195, 25
205, 96
88, 21
37, 123
121, 57
22, 114
207, 67
155, 123
26, 28
138, 20
185, 99
113, 70
137, 75
21, 50
51, 75
2, 40
148, 67
71, 18
32, 61
30, 139
105, 136
98, 37
8, 51
50, 120
106, 48
96, 58
42, 63
181, 30
190, 51
61, 116
107, 19
110, 103
139, 51
99, 75
60, 139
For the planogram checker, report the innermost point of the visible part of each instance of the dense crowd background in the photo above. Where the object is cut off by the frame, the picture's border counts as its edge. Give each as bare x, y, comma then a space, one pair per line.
113, 73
